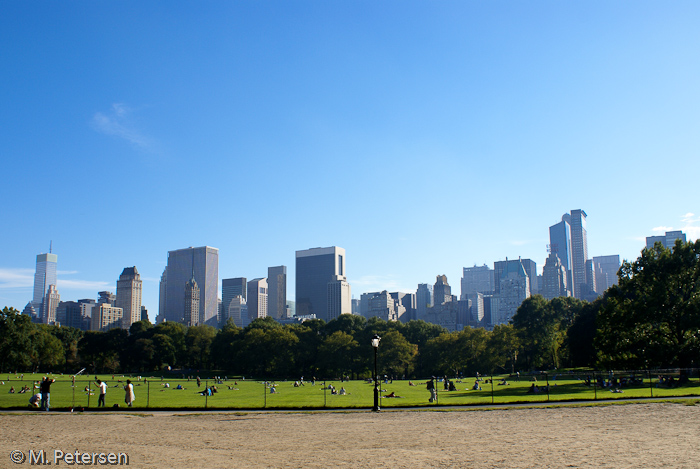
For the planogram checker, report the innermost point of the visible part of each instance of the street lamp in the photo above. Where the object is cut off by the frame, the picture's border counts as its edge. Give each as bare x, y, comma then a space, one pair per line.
375, 345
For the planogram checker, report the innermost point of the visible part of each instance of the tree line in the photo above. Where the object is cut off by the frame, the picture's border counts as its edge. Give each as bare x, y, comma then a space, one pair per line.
651, 319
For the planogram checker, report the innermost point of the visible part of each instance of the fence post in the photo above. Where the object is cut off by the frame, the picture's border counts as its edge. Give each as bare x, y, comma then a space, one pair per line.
491, 387
325, 389
546, 377
206, 394
88, 393
651, 387
264, 394
595, 387
148, 394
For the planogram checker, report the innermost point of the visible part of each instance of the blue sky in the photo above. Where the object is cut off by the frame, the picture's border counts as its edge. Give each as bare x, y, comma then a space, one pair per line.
422, 137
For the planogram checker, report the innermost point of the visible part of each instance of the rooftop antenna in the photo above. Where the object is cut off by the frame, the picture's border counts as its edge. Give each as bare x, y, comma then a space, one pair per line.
50, 246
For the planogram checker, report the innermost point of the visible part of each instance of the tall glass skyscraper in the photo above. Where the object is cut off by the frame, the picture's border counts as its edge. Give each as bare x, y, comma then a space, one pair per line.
45, 275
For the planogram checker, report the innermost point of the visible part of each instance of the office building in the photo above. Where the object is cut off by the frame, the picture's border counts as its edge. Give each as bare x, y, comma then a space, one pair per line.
315, 269
237, 311
230, 289
560, 244
257, 299
382, 306
44, 276
364, 303
514, 289
192, 315
277, 291
606, 272
579, 252
555, 278
424, 300
86, 307
338, 298
528, 265
408, 302
50, 305
477, 280
668, 240
442, 292
128, 299
144, 314
106, 317
202, 264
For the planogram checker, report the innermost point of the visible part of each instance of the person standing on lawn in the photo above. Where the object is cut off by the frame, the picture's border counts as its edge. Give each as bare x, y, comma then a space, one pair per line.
45, 389
103, 391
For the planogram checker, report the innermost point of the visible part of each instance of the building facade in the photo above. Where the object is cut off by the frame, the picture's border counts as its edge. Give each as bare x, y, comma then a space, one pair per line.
202, 263
257, 299
579, 253
668, 240
477, 280
277, 291
44, 276
129, 288
315, 269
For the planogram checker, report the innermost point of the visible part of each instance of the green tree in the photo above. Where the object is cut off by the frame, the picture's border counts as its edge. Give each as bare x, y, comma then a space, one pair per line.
504, 347
198, 341
652, 318
337, 354
15, 341
396, 354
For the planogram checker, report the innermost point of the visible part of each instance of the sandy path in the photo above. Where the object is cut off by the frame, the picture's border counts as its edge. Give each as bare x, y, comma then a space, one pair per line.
619, 436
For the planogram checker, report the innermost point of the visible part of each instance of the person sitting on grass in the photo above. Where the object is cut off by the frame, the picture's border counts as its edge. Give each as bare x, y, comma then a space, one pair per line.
476, 386
12, 390
273, 390
342, 391
411, 383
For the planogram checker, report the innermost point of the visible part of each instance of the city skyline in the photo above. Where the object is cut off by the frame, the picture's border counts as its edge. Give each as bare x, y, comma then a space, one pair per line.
501, 116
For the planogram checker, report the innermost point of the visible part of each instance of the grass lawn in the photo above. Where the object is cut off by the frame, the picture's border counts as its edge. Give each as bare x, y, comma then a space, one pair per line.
250, 394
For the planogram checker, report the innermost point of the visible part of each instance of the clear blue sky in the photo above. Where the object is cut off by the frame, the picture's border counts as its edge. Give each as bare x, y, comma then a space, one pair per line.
422, 137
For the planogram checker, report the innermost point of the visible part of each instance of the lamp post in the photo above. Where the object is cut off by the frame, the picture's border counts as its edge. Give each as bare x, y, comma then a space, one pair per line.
375, 345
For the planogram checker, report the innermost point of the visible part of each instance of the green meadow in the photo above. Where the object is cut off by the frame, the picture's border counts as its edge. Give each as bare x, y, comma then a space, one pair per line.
238, 393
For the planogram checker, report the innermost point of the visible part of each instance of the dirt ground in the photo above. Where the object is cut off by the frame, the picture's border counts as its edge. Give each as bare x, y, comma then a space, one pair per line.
616, 436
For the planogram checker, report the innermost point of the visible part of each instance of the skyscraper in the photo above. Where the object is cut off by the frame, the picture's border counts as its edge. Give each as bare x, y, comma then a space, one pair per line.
555, 278
338, 298
529, 266
477, 279
129, 296
606, 272
315, 269
257, 298
514, 289
192, 315
232, 288
202, 263
560, 244
442, 292
424, 300
277, 291
44, 276
50, 305
579, 251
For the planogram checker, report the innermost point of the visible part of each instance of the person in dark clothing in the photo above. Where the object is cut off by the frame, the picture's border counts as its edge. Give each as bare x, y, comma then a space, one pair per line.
45, 389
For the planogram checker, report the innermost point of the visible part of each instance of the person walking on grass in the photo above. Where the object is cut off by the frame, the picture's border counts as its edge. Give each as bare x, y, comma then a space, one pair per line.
129, 397
103, 391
